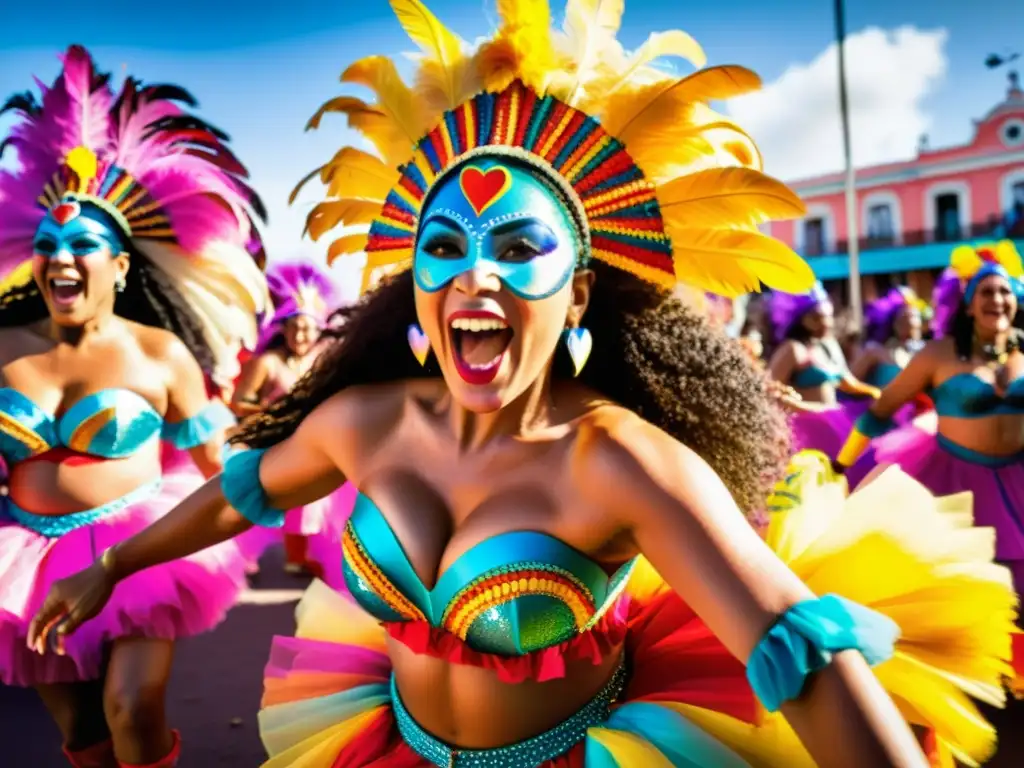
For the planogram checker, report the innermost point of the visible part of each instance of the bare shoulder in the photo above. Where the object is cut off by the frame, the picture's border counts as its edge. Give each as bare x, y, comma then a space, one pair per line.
618, 454
158, 344
360, 418
20, 342
937, 350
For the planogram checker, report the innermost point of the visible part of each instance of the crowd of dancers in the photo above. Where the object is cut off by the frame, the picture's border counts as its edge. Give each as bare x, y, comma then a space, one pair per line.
555, 516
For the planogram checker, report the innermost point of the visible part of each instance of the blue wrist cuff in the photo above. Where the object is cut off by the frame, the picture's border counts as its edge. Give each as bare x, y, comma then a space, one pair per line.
870, 425
806, 637
240, 482
198, 429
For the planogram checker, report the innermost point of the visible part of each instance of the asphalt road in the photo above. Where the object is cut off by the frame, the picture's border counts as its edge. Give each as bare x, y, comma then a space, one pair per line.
214, 693
216, 686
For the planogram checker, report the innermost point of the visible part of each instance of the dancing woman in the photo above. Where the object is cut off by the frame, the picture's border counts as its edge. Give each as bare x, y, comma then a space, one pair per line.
808, 358
304, 297
134, 216
893, 329
560, 417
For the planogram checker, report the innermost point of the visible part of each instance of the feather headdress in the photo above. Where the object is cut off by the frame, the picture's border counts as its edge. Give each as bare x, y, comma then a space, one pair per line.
881, 313
298, 288
666, 188
787, 309
164, 176
968, 266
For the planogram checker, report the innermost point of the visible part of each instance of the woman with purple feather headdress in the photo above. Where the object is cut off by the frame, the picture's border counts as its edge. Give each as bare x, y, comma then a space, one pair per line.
304, 298
128, 283
808, 358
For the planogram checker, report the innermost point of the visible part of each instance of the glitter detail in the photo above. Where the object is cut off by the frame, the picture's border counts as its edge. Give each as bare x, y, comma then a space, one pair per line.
365, 569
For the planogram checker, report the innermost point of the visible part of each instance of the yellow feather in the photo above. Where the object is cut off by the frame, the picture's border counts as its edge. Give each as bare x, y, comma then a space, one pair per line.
589, 29
733, 262
443, 67
373, 123
305, 180
630, 113
394, 98
727, 197
659, 45
18, 277
522, 47
349, 212
353, 171
347, 245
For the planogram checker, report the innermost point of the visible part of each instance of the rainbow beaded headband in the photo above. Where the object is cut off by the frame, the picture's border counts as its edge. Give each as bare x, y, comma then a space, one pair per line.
607, 193
117, 194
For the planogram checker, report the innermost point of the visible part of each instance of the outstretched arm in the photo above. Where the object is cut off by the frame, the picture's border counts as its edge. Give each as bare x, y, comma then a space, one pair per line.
293, 473
686, 523
247, 397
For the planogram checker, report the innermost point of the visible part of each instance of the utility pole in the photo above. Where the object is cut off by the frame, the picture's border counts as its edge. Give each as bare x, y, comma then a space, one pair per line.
852, 239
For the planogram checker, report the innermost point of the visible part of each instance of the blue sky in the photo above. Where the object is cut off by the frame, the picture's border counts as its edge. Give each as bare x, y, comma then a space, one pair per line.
259, 73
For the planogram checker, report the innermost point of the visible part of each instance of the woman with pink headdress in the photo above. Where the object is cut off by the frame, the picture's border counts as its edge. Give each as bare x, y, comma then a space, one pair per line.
125, 222
808, 358
304, 298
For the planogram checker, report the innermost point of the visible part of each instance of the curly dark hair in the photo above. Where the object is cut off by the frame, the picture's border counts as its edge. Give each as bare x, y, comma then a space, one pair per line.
651, 354
149, 298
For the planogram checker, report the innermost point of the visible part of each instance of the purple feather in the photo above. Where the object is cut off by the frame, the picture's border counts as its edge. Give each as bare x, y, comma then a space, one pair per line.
880, 314
946, 298
291, 284
181, 162
787, 309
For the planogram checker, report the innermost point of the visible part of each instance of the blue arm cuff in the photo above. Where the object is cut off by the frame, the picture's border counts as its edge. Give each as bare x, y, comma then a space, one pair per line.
198, 429
806, 637
240, 482
870, 425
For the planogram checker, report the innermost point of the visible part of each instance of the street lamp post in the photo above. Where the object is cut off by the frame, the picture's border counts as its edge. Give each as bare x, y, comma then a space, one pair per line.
852, 241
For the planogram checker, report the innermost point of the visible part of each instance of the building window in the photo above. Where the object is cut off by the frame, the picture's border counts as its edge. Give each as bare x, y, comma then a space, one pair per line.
814, 237
1015, 215
1013, 133
881, 230
947, 217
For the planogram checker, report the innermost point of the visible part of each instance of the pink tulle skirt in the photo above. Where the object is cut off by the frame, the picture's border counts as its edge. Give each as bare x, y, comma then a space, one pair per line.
944, 468
170, 601
324, 547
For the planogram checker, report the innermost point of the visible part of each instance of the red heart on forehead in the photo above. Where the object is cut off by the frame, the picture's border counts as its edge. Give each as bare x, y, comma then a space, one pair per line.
65, 212
484, 188
987, 254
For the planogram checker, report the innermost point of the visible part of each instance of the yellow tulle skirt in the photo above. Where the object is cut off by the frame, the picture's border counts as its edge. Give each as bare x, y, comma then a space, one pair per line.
891, 547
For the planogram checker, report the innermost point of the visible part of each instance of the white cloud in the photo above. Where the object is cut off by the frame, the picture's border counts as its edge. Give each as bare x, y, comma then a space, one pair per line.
795, 119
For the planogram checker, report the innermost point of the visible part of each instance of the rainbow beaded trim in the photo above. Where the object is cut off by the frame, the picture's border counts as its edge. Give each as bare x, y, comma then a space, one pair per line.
507, 583
364, 568
605, 188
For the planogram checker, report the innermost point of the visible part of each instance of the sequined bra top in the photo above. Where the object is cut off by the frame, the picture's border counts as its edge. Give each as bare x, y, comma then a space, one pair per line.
510, 595
965, 396
815, 376
111, 424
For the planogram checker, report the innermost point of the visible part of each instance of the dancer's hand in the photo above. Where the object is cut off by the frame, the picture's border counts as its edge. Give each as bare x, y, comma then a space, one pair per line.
71, 602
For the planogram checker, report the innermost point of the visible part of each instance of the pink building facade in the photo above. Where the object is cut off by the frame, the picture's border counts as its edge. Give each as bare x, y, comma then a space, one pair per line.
911, 214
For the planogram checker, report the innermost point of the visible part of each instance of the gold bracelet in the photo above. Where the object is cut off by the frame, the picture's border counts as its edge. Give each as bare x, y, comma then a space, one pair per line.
107, 560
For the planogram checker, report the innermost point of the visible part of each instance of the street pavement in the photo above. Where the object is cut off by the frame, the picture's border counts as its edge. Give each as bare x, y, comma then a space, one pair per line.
214, 693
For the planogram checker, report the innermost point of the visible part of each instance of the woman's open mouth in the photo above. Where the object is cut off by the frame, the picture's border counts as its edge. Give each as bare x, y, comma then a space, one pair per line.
65, 290
479, 343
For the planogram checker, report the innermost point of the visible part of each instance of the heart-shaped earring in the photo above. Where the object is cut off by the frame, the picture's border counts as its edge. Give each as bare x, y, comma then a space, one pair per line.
418, 343
579, 342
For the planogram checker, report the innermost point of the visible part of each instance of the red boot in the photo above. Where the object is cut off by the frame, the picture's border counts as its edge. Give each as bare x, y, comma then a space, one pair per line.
167, 762
97, 756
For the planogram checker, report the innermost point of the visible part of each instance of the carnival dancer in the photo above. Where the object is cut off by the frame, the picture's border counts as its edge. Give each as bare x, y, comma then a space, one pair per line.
486, 399
893, 325
304, 298
808, 358
134, 215
973, 372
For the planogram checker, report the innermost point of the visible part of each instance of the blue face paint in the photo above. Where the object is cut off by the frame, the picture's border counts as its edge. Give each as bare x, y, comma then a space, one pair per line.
81, 236
498, 216
987, 270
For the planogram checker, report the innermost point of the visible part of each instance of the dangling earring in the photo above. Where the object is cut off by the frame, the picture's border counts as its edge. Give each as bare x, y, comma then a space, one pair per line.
418, 343
120, 284
579, 342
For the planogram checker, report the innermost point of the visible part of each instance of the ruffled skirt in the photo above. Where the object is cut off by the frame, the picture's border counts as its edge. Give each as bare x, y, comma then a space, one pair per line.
174, 600
891, 547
